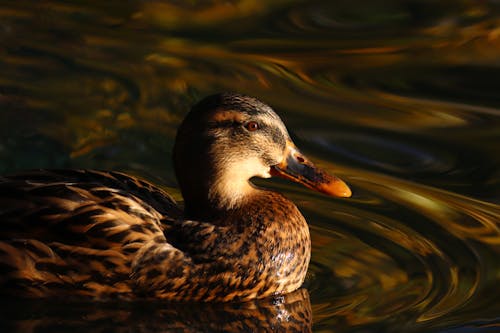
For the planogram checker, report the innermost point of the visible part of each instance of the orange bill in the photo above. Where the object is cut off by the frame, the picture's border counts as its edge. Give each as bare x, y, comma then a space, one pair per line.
296, 167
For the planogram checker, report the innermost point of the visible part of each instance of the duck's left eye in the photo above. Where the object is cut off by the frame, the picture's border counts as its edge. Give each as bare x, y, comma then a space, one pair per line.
252, 126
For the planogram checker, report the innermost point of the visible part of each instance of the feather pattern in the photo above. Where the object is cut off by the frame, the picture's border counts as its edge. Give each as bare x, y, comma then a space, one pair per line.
87, 233
76, 231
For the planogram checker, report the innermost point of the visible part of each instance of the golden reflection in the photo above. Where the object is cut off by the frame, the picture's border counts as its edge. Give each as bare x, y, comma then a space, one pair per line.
446, 209
456, 212
369, 272
89, 74
193, 14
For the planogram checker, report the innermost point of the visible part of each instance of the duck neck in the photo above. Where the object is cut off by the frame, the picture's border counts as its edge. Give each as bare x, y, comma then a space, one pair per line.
217, 197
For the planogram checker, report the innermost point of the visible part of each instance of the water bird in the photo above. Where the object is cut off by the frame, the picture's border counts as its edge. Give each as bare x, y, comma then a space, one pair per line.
106, 234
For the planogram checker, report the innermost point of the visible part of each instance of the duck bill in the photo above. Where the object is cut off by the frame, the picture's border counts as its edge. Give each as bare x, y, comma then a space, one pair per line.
296, 167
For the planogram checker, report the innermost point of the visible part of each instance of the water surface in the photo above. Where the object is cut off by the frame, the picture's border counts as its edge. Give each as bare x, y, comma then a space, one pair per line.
399, 98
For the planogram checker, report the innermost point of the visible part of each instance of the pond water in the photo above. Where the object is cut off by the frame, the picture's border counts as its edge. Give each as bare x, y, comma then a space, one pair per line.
399, 98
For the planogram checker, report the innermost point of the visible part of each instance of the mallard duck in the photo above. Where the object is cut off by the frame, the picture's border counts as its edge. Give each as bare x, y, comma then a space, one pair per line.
97, 234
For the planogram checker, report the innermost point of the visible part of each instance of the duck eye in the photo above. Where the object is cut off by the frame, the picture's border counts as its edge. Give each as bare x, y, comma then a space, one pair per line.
252, 126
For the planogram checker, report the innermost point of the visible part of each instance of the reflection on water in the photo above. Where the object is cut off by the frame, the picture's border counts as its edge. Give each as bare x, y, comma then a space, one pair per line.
290, 313
399, 98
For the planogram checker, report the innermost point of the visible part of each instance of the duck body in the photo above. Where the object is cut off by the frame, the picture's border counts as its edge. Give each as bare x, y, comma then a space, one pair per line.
106, 234
84, 233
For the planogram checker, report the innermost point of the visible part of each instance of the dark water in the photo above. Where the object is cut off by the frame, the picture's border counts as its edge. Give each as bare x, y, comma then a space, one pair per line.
399, 98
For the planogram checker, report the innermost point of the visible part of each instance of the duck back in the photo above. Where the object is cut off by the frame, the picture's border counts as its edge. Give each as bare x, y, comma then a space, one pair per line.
75, 232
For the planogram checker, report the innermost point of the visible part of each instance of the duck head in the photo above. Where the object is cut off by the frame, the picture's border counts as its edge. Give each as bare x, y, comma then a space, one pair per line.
228, 138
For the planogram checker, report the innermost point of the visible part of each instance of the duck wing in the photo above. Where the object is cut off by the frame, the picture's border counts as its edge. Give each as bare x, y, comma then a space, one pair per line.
67, 229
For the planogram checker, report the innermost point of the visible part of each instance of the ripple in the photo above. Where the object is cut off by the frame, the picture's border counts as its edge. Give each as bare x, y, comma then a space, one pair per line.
410, 253
404, 102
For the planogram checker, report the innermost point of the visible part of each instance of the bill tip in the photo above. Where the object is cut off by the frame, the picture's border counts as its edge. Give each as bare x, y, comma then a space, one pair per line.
337, 188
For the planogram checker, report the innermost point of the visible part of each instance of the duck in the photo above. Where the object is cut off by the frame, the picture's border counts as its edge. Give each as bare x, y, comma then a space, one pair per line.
108, 235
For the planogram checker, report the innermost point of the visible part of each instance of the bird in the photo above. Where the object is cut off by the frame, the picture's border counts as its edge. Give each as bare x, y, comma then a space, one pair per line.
79, 233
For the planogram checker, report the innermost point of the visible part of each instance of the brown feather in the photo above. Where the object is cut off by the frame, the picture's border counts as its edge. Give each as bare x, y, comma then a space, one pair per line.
85, 233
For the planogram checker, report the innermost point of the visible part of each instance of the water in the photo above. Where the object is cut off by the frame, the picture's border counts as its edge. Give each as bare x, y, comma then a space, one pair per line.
399, 98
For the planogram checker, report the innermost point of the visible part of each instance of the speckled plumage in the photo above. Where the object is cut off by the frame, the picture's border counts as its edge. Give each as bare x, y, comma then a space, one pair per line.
83, 233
